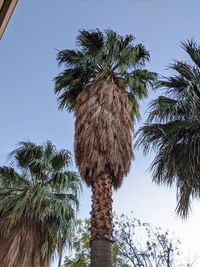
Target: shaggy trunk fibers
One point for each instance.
(22, 248)
(101, 222)
(103, 131)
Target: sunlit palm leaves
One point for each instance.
(38, 191)
(173, 130)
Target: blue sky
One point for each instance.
(28, 108)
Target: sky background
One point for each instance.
(28, 108)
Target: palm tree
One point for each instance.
(173, 130)
(38, 202)
(102, 83)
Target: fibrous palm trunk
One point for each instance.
(101, 222)
(22, 248)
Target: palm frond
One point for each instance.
(61, 159)
(9, 176)
(90, 41)
(193, 50)
(165, 109)
(69, 58)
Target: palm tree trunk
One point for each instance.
(101, 221)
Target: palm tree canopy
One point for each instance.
(103, 55)
(102, 83)
(39, 189)
(173, 130)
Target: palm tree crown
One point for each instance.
(102, 55)
(38, 195)
(173, 130)
(103, 82)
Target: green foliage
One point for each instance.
(38, 188)
(173, 130)
(81, 245)
(137, 244)
(103, 55)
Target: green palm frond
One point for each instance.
(193, 50)
(69, 84)
(137, 82)
(70, 57)
(8, 176)
(91, 41)
(185, 70)
(61, 159)
(172, 130)
(102, 55)
(165, 109)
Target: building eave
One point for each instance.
(6, 9)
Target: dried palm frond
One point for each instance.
(103, 131)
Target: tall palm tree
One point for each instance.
(102, 83)
(38, 202)
(173, 130)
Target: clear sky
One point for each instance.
(28, 108)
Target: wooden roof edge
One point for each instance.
(6, 13)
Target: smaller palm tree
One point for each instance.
(173, 130)
(38, 203)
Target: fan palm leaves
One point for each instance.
(38, 203)
(173, 130)
(102, 83)
(103, 55)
